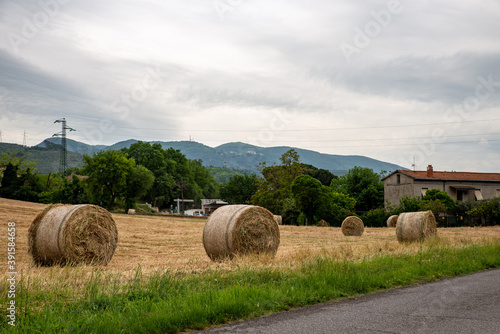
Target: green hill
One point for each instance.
(242, 157)
(73, 146)
(245, 157)
(46, 158)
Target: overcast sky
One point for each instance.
(392, 80)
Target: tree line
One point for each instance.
(302, 194)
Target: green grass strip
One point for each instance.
(167, 303)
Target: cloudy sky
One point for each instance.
(393, 80)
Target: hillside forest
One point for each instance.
(302, 194)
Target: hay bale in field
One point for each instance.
(353, 226)
(131, 212)
(415, 226)
(323, 223)
(392, 220)
(279, 219)
(240, 229)
(72, 234)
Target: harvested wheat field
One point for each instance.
(166, 242)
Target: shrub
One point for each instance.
(436, 194)
(434, 205)
(376, 217)
(407, 204)
(489, 210)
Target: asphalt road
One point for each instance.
(464, 304)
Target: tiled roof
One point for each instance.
(466, 176)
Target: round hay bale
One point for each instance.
(240, 229)
(415, 226)
(72, 234)
(323, 223)
(279, 219)
(131, 212)
(392, 220)
(353, 226)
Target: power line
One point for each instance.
(305, 130)
(409, 144)
(372, 139)
(63, 163)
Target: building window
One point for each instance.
(478, 194)
(460, 195)
(398, 177)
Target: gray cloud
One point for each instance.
(91, 62)
(444, 78)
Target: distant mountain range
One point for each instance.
(240, 156)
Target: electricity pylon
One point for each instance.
(63, 163)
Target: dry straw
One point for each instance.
(279, 219)
(323, 223)
(353, 226)
(415, 226)
(72, 234)
(392, 220)
(240, 229)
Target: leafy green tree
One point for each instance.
(29, 187)
(442, 196)
(154, 158)
(20, 184)
(362, 184)
(205, 185)
(108, 172)
(317, 201)
(139, 181)
(239, 189)
(53, 185)
(10, 181)
(376, 217)
(177, 164)
(162, 191)
(489, 210)
(434, 205)
(407, 204)
(223, 174)
(289, 212)
(150, 156)
(461, 208)
(334, 207)
(322, 175)
(306, 191)
(175, 175)
(275, 186)
(73, 192)
(19, 159)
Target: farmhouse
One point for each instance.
(461, 186)
(210, 205)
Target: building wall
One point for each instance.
(467, 194)
(488, 189)
(394, 190)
